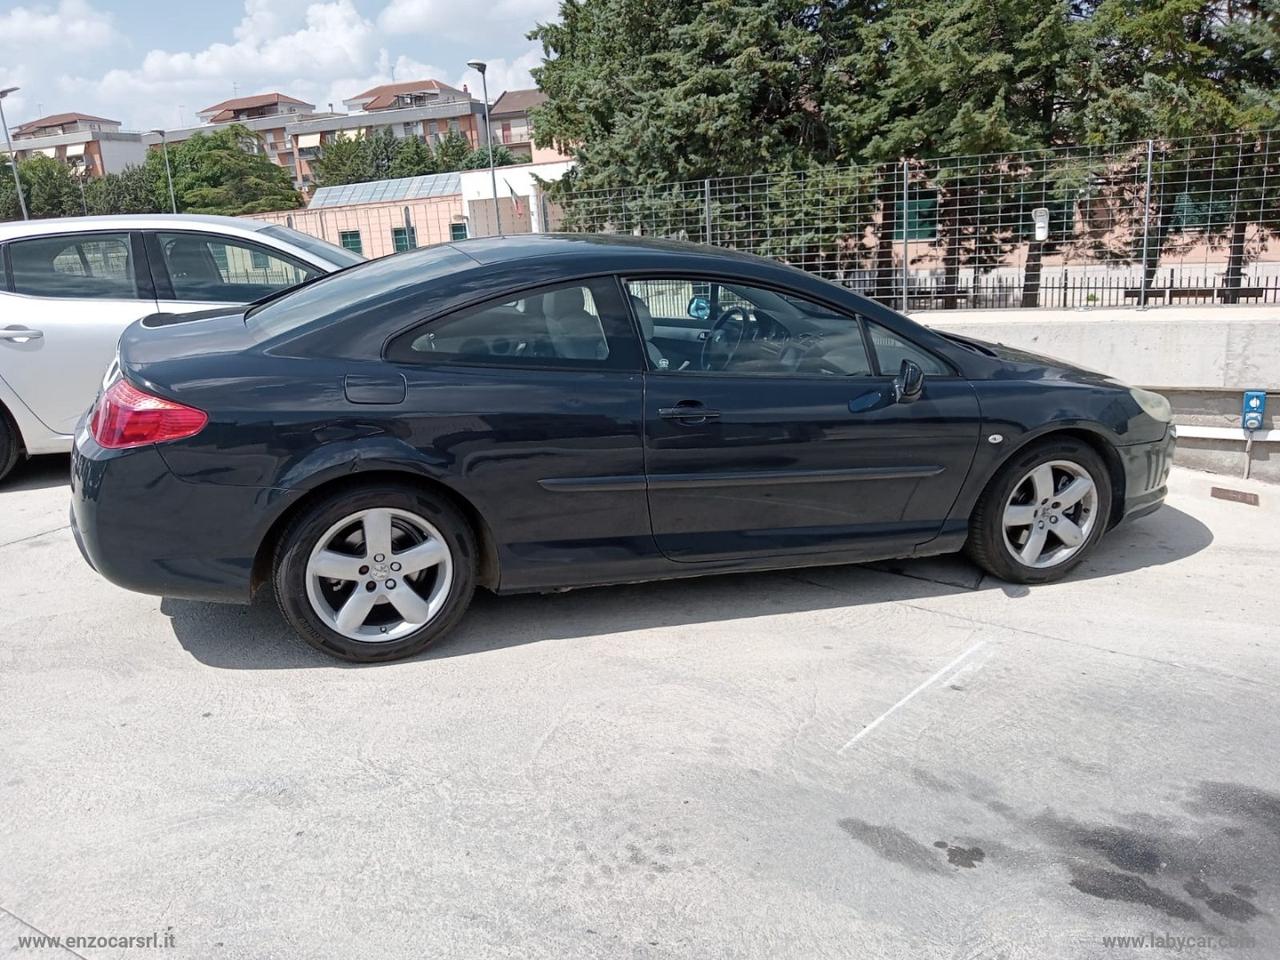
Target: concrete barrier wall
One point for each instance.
(1184, 348)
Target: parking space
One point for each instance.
(900, 759)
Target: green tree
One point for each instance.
(47, 187)
(343, 161)
(649, 91)
(479, 158)
(452, 152)
(225, 173)
(933, 79)
(1170, 69)
(413, 159)
(132, 190)
(383, 148)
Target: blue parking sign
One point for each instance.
(1254, 406)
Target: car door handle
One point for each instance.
(688, 411)
(21, 334)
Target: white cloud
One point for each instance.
(73, 25)
(323, 51)
(503, 74)
(334, 37)
(463, 21)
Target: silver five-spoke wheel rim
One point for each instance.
(1050, 514)
(379, 575)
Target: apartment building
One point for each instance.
(512, 128)
(266, 114)
(427, 109)
(91, 146)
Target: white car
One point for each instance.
(68, 288)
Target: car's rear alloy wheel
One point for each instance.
(379, 574)
(375, 574)
(1042, 513)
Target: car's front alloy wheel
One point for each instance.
(1042, 513)
(1050, 514)
(375, 574)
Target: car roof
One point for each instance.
(143, 221)
(615, 247)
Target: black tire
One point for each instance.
(986, 545)
(300, 537)
(10, 444)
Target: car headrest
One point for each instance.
(565, 301)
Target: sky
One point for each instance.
(151, 64)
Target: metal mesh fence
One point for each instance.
(1146, 223)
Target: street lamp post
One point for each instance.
(13, 159)
(164, 147)
(480, 66)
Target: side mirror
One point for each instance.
(908, 385)
(699, 308)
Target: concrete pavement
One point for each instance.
(904, 760)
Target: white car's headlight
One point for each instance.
(1153, 404)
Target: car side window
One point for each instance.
(891, 350)
(214, 269)
(712, 326)
(572, 325)
(96, 266)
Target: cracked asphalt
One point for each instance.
(897, 760)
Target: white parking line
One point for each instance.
(920, 689)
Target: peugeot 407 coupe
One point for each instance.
(548, 412)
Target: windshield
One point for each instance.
(339, 256)
(338, 292)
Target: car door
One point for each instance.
(195, 270)
(780, 433)
(67, 297)
(533, 405)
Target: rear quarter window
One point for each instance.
(95, 266)
(339, 293)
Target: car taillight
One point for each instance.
(127, 417)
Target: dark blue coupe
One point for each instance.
(544, 412)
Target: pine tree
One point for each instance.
(649, 91)
(1170, 69)
(382, 148)
(452, 152)
(413, 159)
(343, 161)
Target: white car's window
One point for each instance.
(96, 266)
(206, 268)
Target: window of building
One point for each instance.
(203, 268)
(457, 231)
(404, 238)
(454, 126)
(432, 127)
(350, 239)
(90, 266)
(922, 218)
(575, 325)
